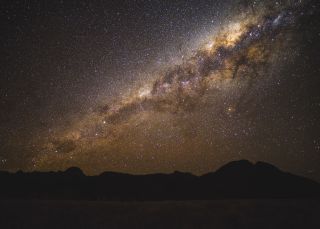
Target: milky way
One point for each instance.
(214, 103)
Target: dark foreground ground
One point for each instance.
(185, 214)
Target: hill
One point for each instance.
(237, 179)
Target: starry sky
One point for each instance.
(157, 86)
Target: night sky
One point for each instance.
(157, 86)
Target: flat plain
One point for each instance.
(230, 213)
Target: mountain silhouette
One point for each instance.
(237, 179)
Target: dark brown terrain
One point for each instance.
(244, 213)
(237, 179)
(238, 195)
